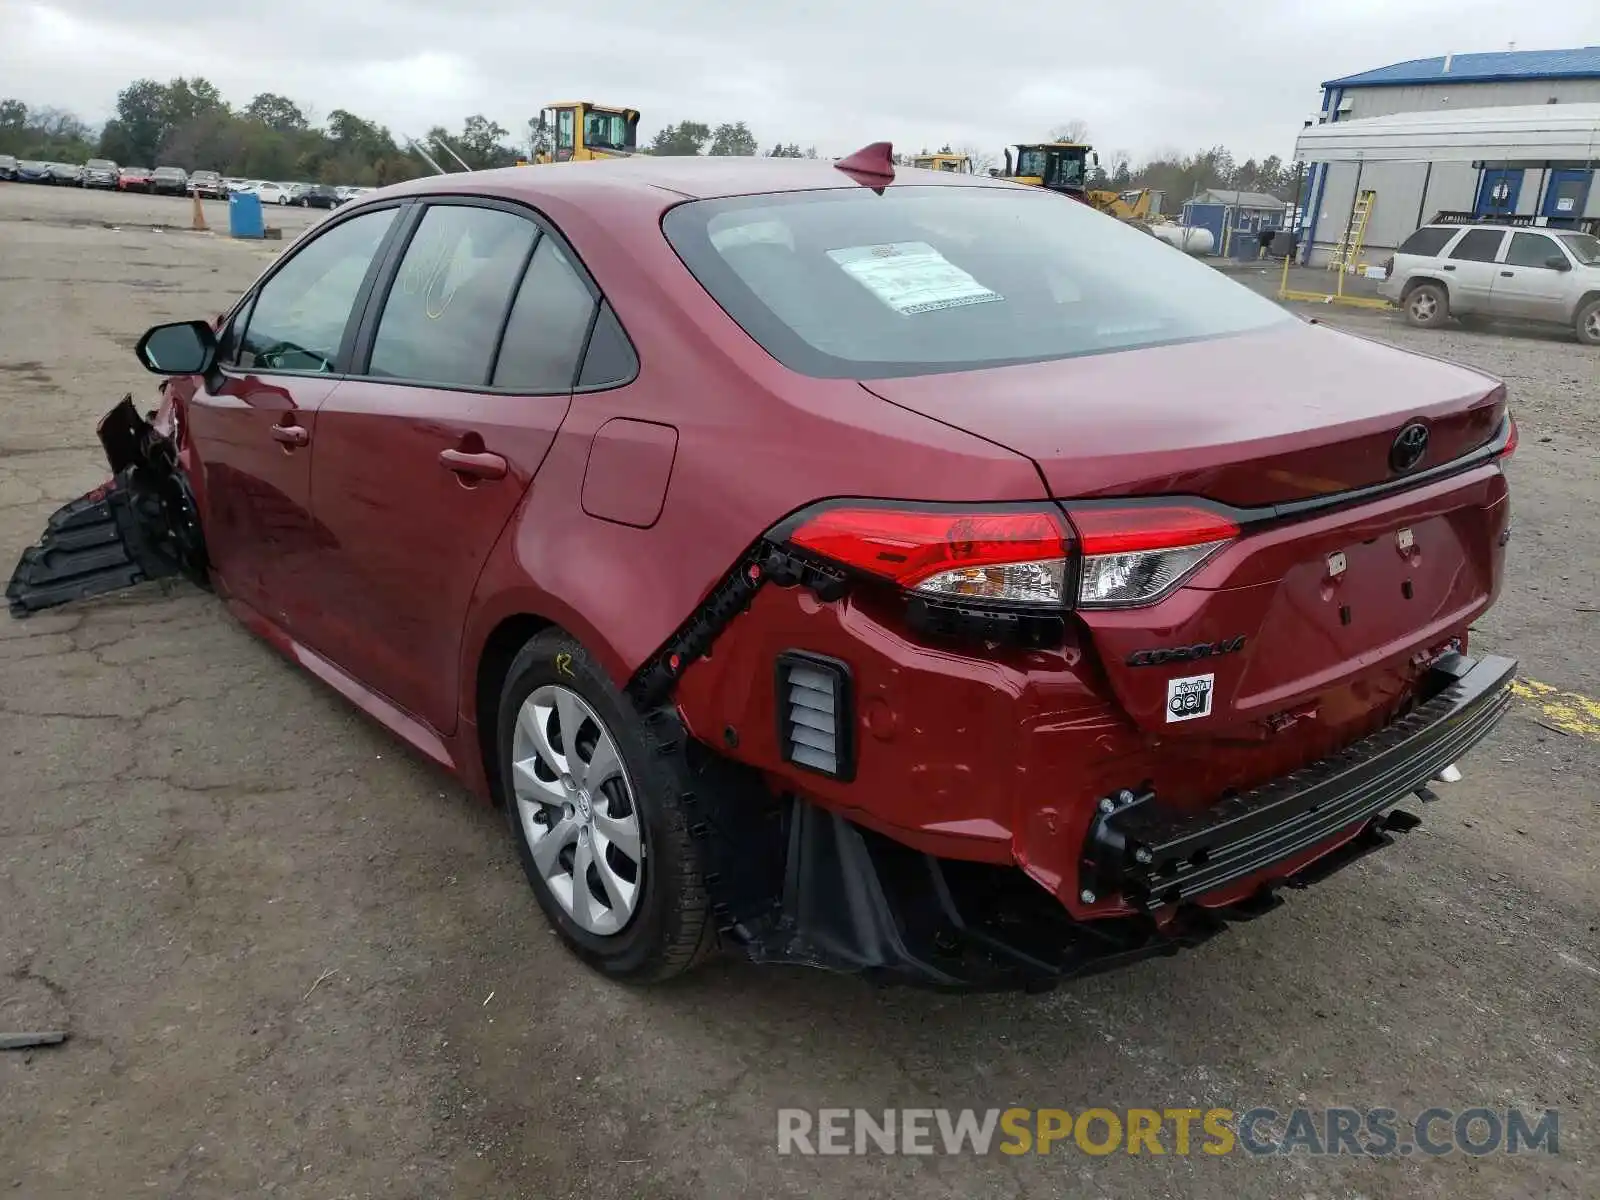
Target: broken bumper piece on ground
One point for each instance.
(137, 526)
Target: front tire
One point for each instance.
(596, 807)
(1588, 323)
(1427, 306)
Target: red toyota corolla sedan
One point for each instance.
(905, 573)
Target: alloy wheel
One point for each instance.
(577, 809)
(1591, 326)
(1424, 306)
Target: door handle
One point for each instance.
(1448, 268)
(1508, 274)
(290, 435)
(473, 466)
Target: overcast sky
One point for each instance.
(1146, 75)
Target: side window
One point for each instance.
(448, 300)
(544, 336)
(1479, 245)
(564, 125)
(299, 317)
(610, 358)
(1427, 241)
(1532, 250)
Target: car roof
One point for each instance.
(693, 178)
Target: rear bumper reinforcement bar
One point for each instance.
(1154, 856)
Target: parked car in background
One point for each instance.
(31, 170)
(169, 181)
(99, 173)
(66, 174)
(134, 179)
(207, 184)
(1493, 269)
(319, 195)
(8, 166)
(274, 193)
(931, 579)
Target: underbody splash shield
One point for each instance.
(140, 525)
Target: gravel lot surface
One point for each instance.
(296, 961)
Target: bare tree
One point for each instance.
(1075, 130)
(982, 160)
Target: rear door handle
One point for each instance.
(290, 435)
(473, 466)
(1448, 268)
(1508, 274)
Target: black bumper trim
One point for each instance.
(1155, 857)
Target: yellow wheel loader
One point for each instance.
(579, 131)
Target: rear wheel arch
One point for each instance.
(1417, 281)
(500, 650)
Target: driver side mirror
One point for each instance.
(182, 348)
(1558, 262)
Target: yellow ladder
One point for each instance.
(1347, 250)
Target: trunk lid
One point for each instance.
(1309, 619)
(1294, 411)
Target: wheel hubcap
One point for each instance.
(576, 807)
(1593, 325)
(1423, 306)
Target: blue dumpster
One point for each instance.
(244, 216)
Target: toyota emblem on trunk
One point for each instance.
(1410, 444)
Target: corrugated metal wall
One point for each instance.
(1451, 185)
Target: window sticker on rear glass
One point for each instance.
(911, 277)
(1189, 698)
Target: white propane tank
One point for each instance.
(1189, 239)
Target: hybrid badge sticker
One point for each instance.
(1189, 698)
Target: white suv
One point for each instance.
(1493, 269)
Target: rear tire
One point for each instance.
(1427, 305)
(1588, 323)
(568, 806)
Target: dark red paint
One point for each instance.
(383, 535)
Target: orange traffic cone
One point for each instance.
(198, 223)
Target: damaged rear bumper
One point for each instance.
(139, 525)
(856, 901)
(1151, 857)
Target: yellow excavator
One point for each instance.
(580, 131)
(960, 164)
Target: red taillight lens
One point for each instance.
(1014, 557)
(1126, 529)
(1512, 439)
(1136, 553)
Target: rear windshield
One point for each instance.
(850, 284)
(1428, 241)
(101, 164)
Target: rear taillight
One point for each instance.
(1118, 554)
(994, 555)
(1512, 438)
(1135, 554)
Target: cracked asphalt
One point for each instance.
(295, 960)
